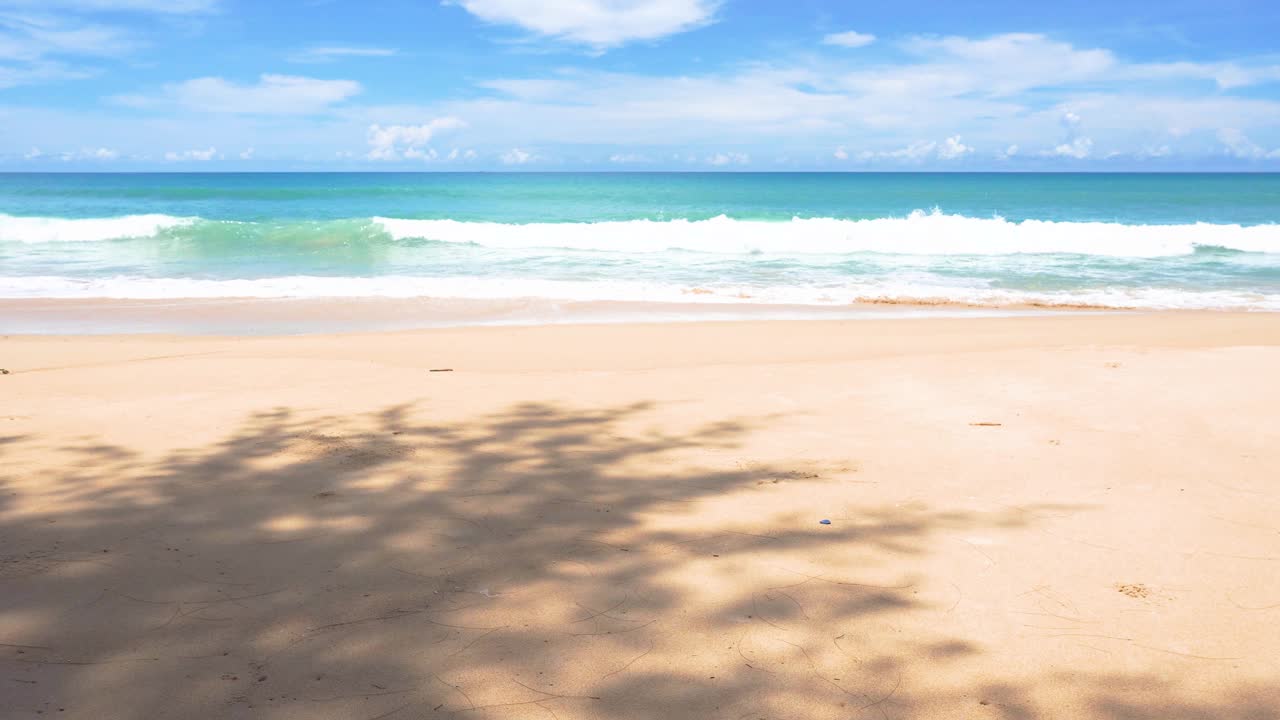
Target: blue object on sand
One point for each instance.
(824, 522)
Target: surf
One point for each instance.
(922, 233)
(34, 230)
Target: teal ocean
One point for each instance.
(796, 240)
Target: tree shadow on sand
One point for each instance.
(541, 562)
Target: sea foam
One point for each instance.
(854, 292)
(921, 233)
(46, 229)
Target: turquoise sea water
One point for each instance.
(1185, 240)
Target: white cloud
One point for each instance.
(334, 52)
(32, 154)
(730, 158)
(427, 154)
(515, 156)
(1075, 145)
(1239, 145)
(916, 151)
(1049, 98)
(1010, 151)
(628, 158)
(247, 154)
(191, 155)
(849, 39)
(841, 153)
(458, 154)
(600, 23)
(979, 87)
(271, 95)
(103, 154)
(952, 149)
(396, 141)
(1079, 148)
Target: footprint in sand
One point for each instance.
(1133, 590)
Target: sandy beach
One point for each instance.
(1071, 516)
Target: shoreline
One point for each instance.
(311, 316)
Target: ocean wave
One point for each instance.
(884, 291)
(34, 230)
(921, 233)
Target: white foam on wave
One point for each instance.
(920, 233)
(488, 288)
(34, 230)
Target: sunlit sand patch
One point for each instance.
(13, 622)
(297, 524)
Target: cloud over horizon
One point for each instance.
(407, 141)
(603, 83)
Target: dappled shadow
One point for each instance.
(543, 561)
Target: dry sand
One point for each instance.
(1067, 517)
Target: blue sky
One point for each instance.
(639, 85)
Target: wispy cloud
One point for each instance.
(1008, 100)
(330, 53)
(916, 152)
(999, 90)
(44, 41)
(41, 72)
(40, 48)
(29, 37)
(1238, 145)
(516, 156)
(166, 7)
(271, 95)
(192, 155)
(849, 39)
(728, 158)
(628, 158)
(1226, 75)
(101, 154)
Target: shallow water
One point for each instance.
(806, 240)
